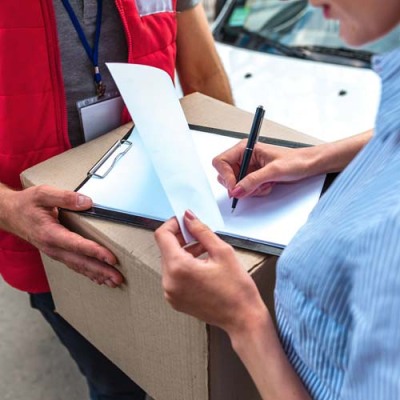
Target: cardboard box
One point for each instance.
(171, 355)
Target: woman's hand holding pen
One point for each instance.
(269, 164)
(32, 214)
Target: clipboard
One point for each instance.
(113, 159)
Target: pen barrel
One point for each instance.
(243, 170)
(251, 141)
(245, 163)
(255, 127)
(234, 203)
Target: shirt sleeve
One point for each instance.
(374, 358)
(182, 5)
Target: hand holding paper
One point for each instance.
(213, 288)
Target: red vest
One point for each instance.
(33, 121)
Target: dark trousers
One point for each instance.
(106, 381)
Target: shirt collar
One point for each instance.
(387, 66)
(384, 63)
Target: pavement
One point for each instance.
(33, 363)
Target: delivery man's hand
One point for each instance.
(215, 288)
(32, 214)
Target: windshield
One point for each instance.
(295, 23)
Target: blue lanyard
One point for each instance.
(92, 53)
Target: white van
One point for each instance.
(285, 56)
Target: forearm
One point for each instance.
(214, 84)
(218, 290)
(198, 64)
(260, 350)
(335, 156)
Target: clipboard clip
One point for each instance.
(106, 163)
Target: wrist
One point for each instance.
(323, 159)
(253, 324)
(335, 156)
(258, 346)
(6, 202)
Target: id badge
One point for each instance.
(99, 116)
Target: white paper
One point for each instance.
(134, 188)
(151, 99)
(272, 219)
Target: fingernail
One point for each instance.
(110, 283)
(83, 201)
(190, 215)
(109, 262)
(238, 191)
(266, 186)
(116, 283)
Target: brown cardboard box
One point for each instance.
(171, 355)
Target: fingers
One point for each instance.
(215, 246)
(254, 184)
(263, 190)
(260, 173)
(169, 238)
(82, 255)
(99, 272)
(195, 249)
(172, 245)
(171, 242)
(73, 242)
(47, 196)
(228, 164)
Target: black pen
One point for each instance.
(251, 141)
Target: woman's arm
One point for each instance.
(216, 289)
(272, 164)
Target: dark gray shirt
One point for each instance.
(76, 66)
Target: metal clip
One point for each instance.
(103, 167)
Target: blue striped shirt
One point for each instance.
(338, 284)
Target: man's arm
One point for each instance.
(198, 64)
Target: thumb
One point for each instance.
(203, 234)
(52, 197)
(81, 202)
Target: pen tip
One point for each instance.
(232, 210)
